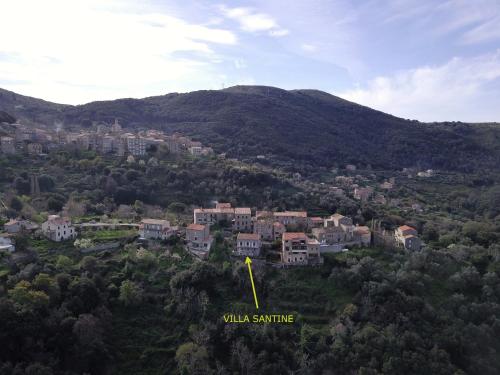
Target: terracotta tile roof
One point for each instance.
(403, 228)
(248, 236)
(196, 227)
(294, 236)
(362, 229)
(292, 213)
(243, 210)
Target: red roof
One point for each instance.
(294, 236)
(248, 236)
(405, 228)
(196, 227)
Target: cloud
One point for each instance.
(463, 88)
(253, 22)
(485, 32)
(309, 47)
(66, 50)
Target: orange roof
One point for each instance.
(243, 210)
(294, 236)
(248, 236)
(291, 213)
(403, 228)
(196, 227)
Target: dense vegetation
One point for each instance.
(301, 129)
(147, 311)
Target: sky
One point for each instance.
(427, 60)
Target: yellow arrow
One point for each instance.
(248, 261)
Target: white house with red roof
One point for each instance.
(407, 237)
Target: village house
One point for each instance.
(242, 221)
(155, 229)
(298, 249)
(35, 148)
(248, 244)
(317, 222)
(6, 244)
(7, 145)
(407, 237)
(278, 230)
(264, 229)
(338, 231)
(293, 218)
(58, 229)
(18, 225)
(195, 150)
(240, 217)
(332, 235)
(136, 146)
(363, 193)
(268, 229)
(387, 185)
(362, 235)
(198, 240)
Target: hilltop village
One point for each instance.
(104, 139)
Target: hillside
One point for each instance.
(297, 128)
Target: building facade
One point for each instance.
(154, 229)
(407, 237)
(298, 249)
(248, 244)
(58, 229)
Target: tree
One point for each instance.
(130, 293)
(73, 208)
(54, 204)
(16, 204)
(28, 299)
(46, 183)
(64, 263)
(192, 359)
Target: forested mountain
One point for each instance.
(297, 128)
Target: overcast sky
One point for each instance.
(418, 59)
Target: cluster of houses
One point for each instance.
(106, 140)
(303, 239)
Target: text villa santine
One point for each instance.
(259, 318)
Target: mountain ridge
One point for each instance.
(299, 129)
